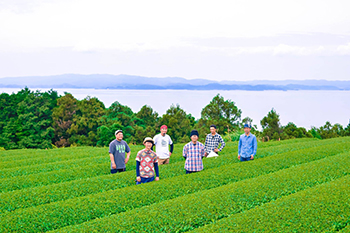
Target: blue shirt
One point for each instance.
(247, 145)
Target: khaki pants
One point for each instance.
(163, 161)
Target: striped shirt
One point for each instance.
(212, 142)
(193, 154)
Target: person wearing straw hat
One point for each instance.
(146, 163)
(247, 145)
(117, 149)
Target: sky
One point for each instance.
(216, 40)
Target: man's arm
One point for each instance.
(255, 147)
(203, 152)
(127, 157)
(128, 152)
(171, 149)
(222, 143)
(184, 152)
(138, 178)
(111, 156)
(206, 145)
(157, 170)
(239, 147)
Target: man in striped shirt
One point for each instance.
(193, 152)
(213, 140)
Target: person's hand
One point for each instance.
(138, 179)
(216, 150)
(205, 154)
(252, 157)
(114, 166)
(126, 160)
(170, 154)
(157, 178)
(239, 157)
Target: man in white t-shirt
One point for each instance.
(162, 142)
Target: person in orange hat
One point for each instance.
(162, 142)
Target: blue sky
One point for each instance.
(217, 40)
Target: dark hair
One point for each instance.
(213, 126)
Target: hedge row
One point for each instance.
(322, 208)
(49, 156)
(72, 164)
(195, 210)
(29, 157)
(66, 190)
(78, 210)
(46, 194)
(48, 167)
(69, 171)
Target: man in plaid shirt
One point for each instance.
(193, 153)
(213, 140)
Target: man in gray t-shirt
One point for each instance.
(117, 149)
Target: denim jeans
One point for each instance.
(245, 159)
(145, 180)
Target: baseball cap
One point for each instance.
(118, 131)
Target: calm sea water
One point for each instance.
(304, 108)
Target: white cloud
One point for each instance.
(344, 49)
(155, 24)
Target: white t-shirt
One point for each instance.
(162, 145)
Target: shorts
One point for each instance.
(163, 161)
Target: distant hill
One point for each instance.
(107, 81)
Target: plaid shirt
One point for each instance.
(212, 142)
(193, 154)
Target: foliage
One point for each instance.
(46, 120)
(27, 119)
(223, 113)
(330, 131)
(292, 131)
(179, 123)
(271, 126)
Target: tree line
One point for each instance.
(34, 119)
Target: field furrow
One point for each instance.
(83, 209)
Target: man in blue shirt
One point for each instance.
(247, 145)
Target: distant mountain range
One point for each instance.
(106, 81)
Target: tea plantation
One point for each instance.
(300, 185)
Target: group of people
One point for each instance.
(148, 160)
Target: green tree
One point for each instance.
(86, 121)
(330, 131)
(179, 123)
(346, 131)
(29, 125)
(292, 131)
(148, 117)
(120, 116)
(271, 126)
(62, 115)
(223, 113)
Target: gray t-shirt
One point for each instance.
(118, 150)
